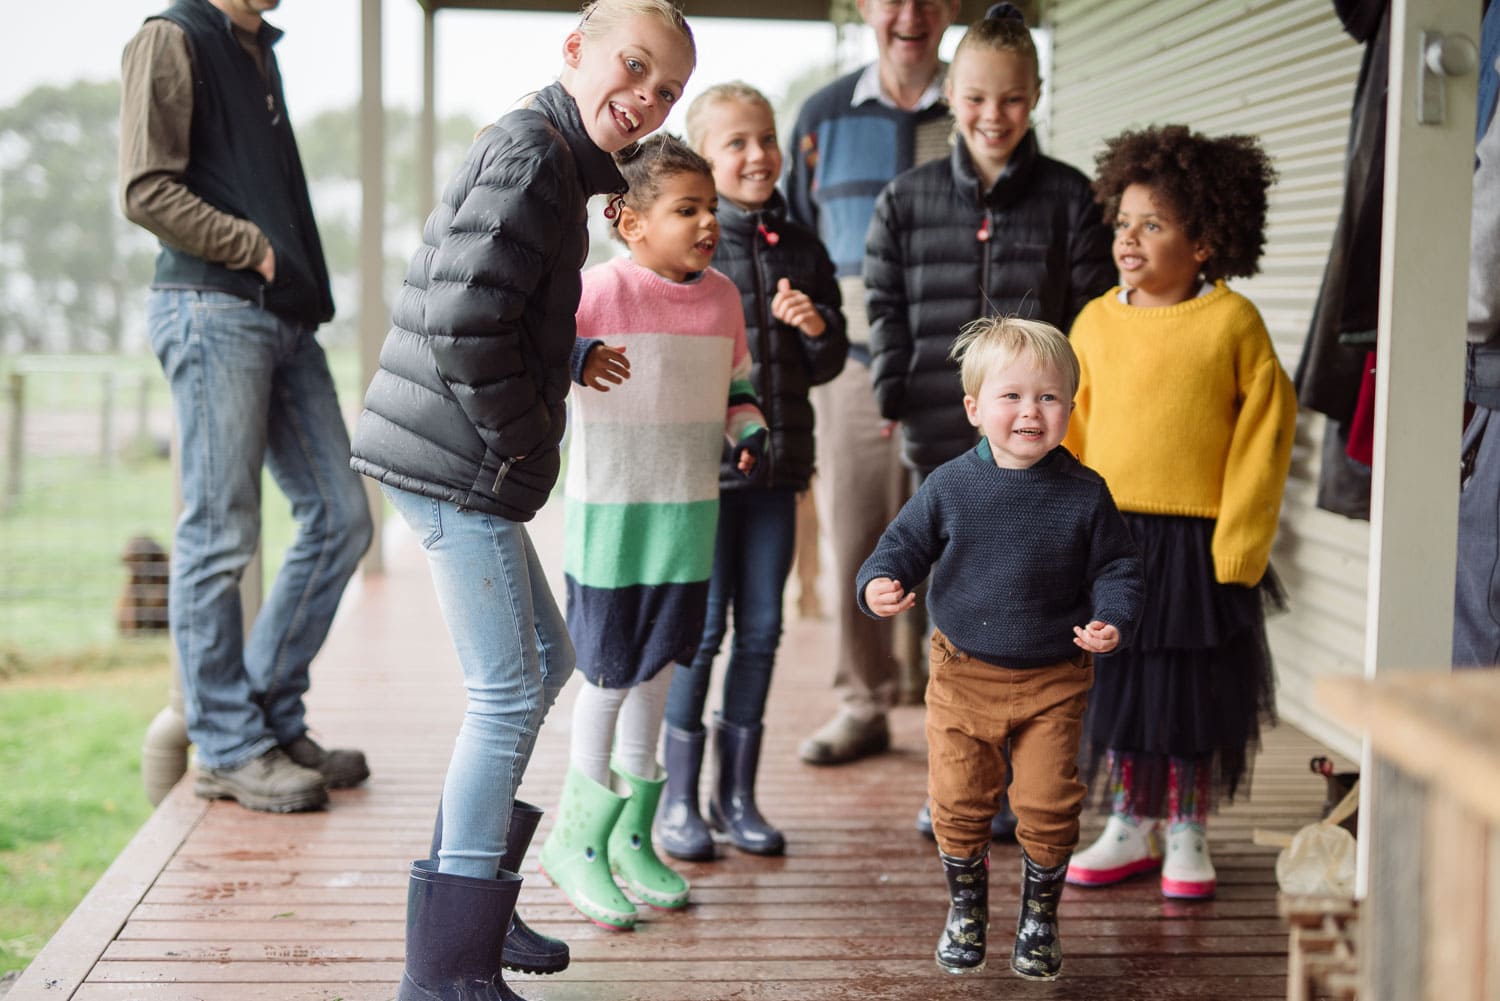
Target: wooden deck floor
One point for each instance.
(211, 902)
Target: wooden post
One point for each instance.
(15, 444)
(1429, 163)
(372, 312)
(427, 118)
(106, 418)
(143, 414)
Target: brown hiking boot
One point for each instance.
(272, 782)
(341, 768)
(846, 738)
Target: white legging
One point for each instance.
(629, 719)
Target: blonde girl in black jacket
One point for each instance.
(997, 229)
(795, 330)
(461, 427)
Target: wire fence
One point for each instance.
(85, 504)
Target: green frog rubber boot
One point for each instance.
(631, 855)
(575, 855)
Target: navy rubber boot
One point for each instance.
(732, 808)
(680, 826)
(526, 949)
(455, 927)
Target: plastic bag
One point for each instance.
(1319, 861)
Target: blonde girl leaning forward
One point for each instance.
(462, 425)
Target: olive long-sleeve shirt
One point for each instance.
(156, 119)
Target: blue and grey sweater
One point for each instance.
(841, 157)
(1018, 557)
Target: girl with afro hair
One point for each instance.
(1185, 410)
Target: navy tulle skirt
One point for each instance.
(1195, 685)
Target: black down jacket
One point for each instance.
(756, 250)
(940, 253)
(467, 405)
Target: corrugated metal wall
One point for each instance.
(1284, 70)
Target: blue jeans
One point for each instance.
(250, 390)
(1476, 605)
(757, 537)
(513, 647)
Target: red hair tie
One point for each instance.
(772, 239)
(612, 207)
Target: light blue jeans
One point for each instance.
(515, 653)
(250, 390)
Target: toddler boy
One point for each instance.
(1033, 572)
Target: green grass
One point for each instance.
(72, 795)
(75, 697)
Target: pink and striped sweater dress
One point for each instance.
(642, 490)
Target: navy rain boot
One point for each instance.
(732, 808)
(455, 927)
(526, 950)
(680, 827)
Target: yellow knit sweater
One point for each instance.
(1185, 410)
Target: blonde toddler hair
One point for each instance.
(735, 90)
(992, 341)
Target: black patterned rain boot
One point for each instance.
(1038, 951)
(961, 949)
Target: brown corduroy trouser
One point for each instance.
(973, 708)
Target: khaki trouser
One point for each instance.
(973, 708)
(859, 489)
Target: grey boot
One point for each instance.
(680, 827)
(732, 808)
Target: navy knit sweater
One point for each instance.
(1018, 557)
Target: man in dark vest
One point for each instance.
(208, 164)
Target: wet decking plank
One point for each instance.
(213, 902)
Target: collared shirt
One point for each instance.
(867, 88)
(156, 119)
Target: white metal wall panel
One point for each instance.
(1284, 70)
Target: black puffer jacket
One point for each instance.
(786, 362)
(941, 253)
(474, 370)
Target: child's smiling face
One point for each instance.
(626, 79)
(676, 234)
(1158, 261)
(739, 140)
(1022, 410)
(992, 92)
